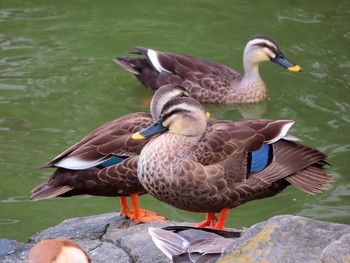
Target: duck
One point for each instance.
(209, 82)
(211, 166)
(192, 244)
(104, 163)
(60, 250)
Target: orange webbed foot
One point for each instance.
(138, 214)
(209, 221)
(144, 216)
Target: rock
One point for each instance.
(337, 251)
(106, 238)
(111, 238)
(8, 247)
(291, 239)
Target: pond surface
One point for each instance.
(58, 83)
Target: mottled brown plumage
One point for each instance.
(208, 82)
(84, 169)
(112, 139)
(85, 175)
(202, 165)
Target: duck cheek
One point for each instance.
(176, 127)
(265, 55)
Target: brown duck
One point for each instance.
(104, 163)
(209, 82)
(207, 165)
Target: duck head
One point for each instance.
(263, 48)
(182, 115)
(163, 95)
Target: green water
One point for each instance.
(58, 82)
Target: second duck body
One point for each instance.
(209, 82)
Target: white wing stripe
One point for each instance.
(282, 133)
(74, 163)
(152, 55)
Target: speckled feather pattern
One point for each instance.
(208, 82)
(113, 138)
(209, 172)
(81, 173)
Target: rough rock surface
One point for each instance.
(291, 239)
(111, 238)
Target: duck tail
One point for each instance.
(305, 166)
(46, 191)
(133, 65)
(141, 67)
(170, 243)
(312, 179)
(53, 187)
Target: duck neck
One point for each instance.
(251, 88)
(251, 67)
(251, 71)
(175, 144)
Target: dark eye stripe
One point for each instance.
(175, 111)
(263, 44)
(183, 91)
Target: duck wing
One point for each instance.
(111, 139)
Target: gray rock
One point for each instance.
(111, 238)
(9, 247)
(290, 239)
(337, 251)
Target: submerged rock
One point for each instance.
(111, 238)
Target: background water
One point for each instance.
(58, 82)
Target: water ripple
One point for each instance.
(310, 100)
(16, 199)
(4, 221)
(302, 16)
(12, 87)
(335, 149)
(38, 13)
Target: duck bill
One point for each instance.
(154, 129)
(281, 60)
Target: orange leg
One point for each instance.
(142, 215)
(124, 207)
(137, 214)
(222, 218)
(208, 222)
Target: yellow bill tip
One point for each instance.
(207, 114)
(137, 136)
(295, 68)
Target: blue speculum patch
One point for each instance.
(261, 159)
(112, 161)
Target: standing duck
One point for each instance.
(207, 81)
(104, 163)
(206, 165)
